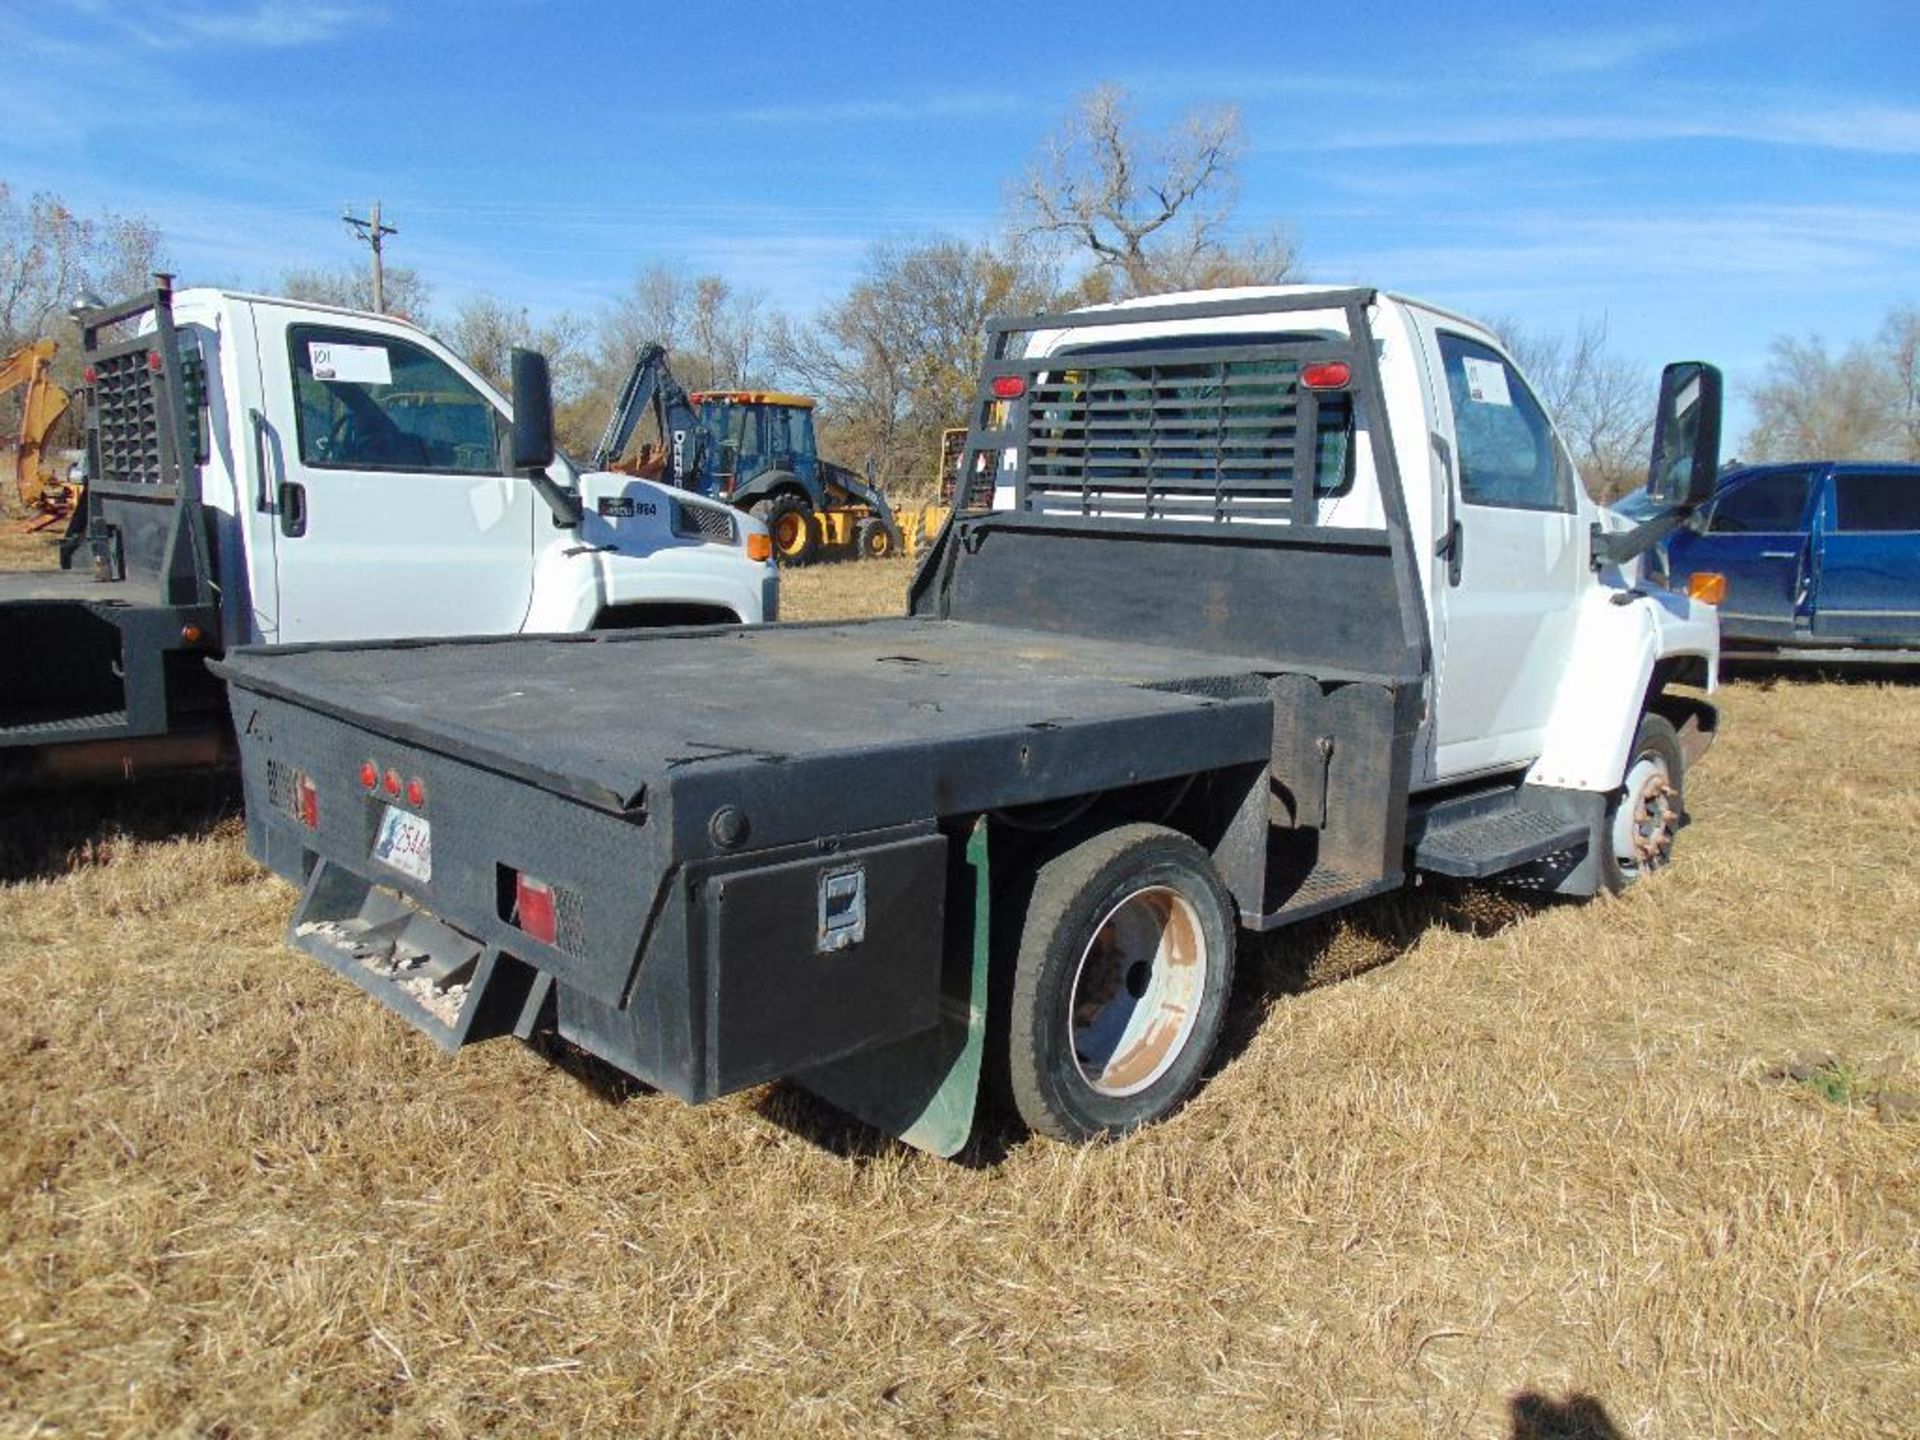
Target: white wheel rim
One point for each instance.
(1649, 813)
(1136, 991)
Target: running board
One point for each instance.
(1480, 836)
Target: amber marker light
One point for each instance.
(759, 547)
(1709, 587)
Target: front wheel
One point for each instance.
(789, 519)
(1649, 810)
(873, 539)
(1120, 984)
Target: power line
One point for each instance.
(373, 232)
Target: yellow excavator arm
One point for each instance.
(46, 497)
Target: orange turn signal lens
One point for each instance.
(1709, 587)
(759, 547)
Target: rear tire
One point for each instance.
(1644, 817)
(1120, 983)
(789, 519)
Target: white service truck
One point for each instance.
(269, 471)
(1252, 604)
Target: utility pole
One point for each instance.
(373, 232)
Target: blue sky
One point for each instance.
(1703, 182)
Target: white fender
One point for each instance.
(1615, 647)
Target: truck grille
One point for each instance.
(1184, 439)
(126, 400)
(708, 522)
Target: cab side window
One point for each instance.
(374, 402)
(1765, 505)
(1509, 455)
(1877, 503)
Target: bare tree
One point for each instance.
(1812, 406)
(1900, 345)
(1147, 211)
(49, 256)
(1601, 404)
(896, 360)
(486, 330)
(712, 331)
(408, 295)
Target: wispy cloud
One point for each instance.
(259, 25)
(954, 105)
(1594, 52)
(1874, 129)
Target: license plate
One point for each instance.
(405, 842)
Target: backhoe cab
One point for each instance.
(754, 449)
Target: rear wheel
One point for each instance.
(789, 519)
(1120, 983)
(874, 539)
(1644, 818)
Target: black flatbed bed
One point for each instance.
(76, 585)
(612, 719)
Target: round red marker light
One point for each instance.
(416, 794)
(369, 775)
(90, 375)
(1008, 387)
(153, 361)
(392, 782)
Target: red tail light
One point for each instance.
(533, 908)
(416, 794)
(391, 784)
(369, 776)
(1328, 375)
(1008, 387)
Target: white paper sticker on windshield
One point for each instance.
(355, 364)
(1486, 381)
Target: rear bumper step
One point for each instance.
(441, 980)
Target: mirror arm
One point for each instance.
(1616, 547)
(565, 504)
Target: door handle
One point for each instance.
(262, 500)
(1449, 549)
(293, 508)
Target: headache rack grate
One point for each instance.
(126, 397)
(1183, 438)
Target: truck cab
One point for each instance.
(269, 471)
(1533, 644)
(355, 484)
(1820, 560)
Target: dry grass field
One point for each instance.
(1644, 1167)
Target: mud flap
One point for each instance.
(924, 1089)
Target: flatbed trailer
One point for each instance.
(1097, 746)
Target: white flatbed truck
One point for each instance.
(1253, 604)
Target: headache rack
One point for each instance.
(146, 441)
(1182, 427)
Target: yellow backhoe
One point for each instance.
(46, 497)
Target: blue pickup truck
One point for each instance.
(1821, 559)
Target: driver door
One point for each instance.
(1508, 574)
(380, 467)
